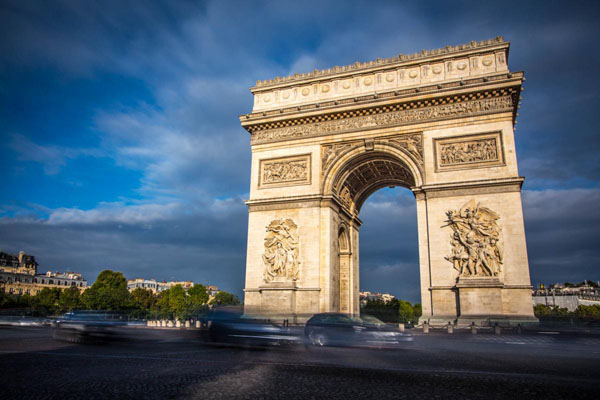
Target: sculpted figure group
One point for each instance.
(476, 249)
(284, 171)
(471, 151)
(281, 251)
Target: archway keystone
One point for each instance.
(439, 123)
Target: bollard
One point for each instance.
(425, 327)
(450, 327)
(169, 324)
(187, 324)
(473, 328)
(497, 329)
(178, 324)
(198, 324)
(401, 327)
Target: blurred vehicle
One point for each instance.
(223, 325)
(88, 326)
(337, 329)
(23, 321)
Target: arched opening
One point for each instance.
(389, 257)
(356, 179)
(343, 263)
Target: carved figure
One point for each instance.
(281, 251)
(346, 196)
(412, 143)
(476, 250)
(283, 171)
(331, 152)
(468, 151)
(383, 119)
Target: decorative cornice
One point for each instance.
(392, 61)
(485, 102)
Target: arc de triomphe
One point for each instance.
(439, 123)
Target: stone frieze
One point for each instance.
(453, 110)
(285, 171)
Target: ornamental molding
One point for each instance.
(358, 66)
(469, 151)
(391, 115)
(285, 171)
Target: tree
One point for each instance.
(198, 294)
(142, 301)
(70, 299)
(46, 301)
(405, 311)
(109, 292)
(223, 298)
(418, 311)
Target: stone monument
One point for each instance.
(439, 123)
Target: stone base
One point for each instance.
(279, 301)
(501, 320)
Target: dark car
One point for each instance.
(231, 326)
(88, 326)
(337, 329)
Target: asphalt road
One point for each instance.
(160, 364)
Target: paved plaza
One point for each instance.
(160, 364)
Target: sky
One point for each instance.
(122, 149)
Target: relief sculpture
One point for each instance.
(469, 152)
(390, 118)
(285, 171)
(412, 143)
(331, 152)
(476, 249)
(281, 251)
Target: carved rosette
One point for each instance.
(475, 241)
(281, 251)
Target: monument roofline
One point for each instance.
(392, 62)
(434, 67)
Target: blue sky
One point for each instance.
(121, 146)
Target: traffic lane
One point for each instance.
(89, 372)
(426, 353)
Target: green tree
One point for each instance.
(177, 302)
(70, 299)
(224, 298)
(198, 294)
(46, 301)
(109, 292)
(405, 311)
(418, 312)
(591, 313)
(143, 301)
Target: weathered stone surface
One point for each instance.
(440, 125)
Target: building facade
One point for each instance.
(18, 276)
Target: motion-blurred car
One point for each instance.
(337, 329)
(230, 326)
(88, 326)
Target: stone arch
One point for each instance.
(359, 172)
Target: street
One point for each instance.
(162, 363)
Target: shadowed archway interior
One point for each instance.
(368, 173)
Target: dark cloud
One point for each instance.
(157, 88)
